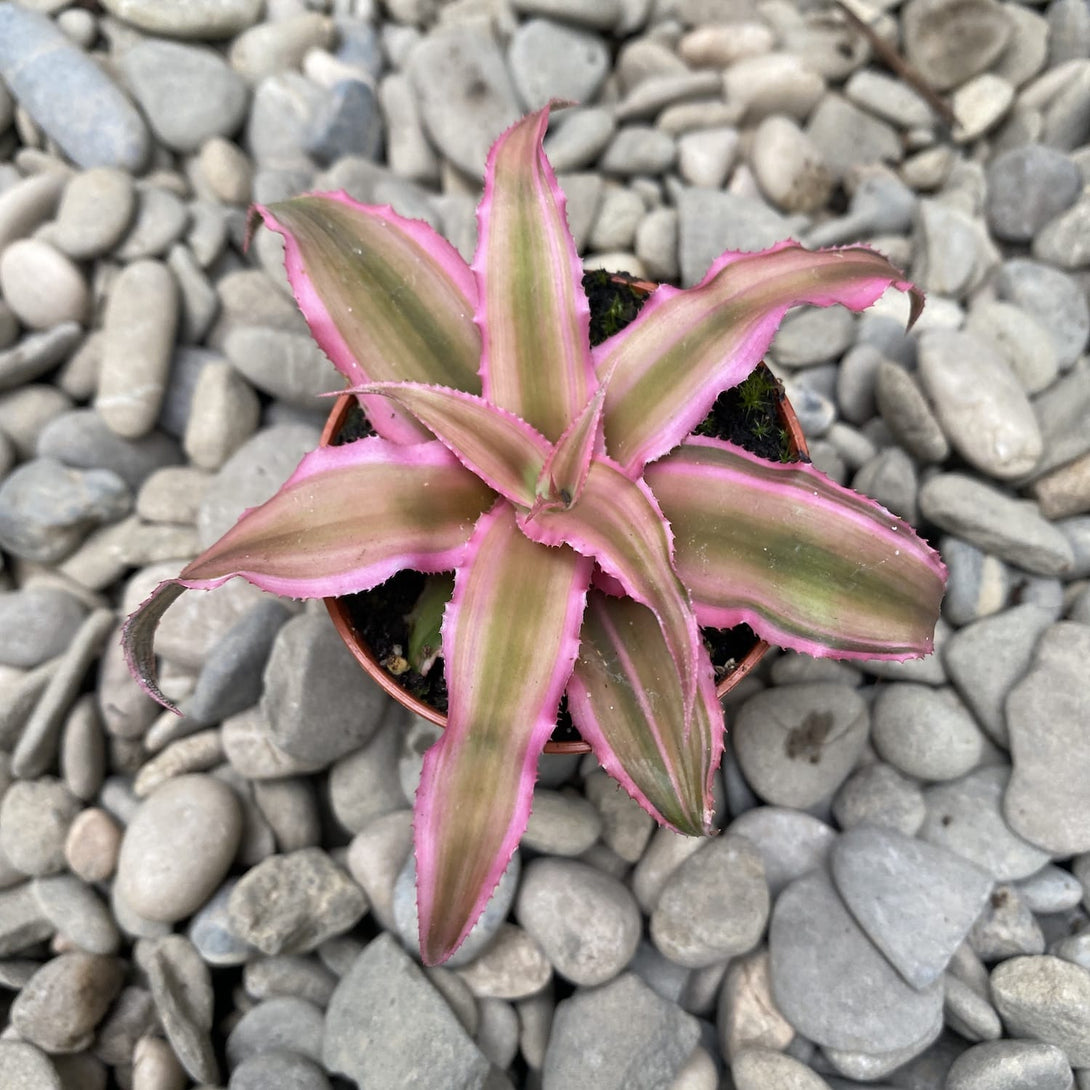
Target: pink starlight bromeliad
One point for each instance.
(590, 535)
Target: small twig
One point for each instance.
(896, 63)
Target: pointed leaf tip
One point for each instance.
(138, 639)
(533, 315)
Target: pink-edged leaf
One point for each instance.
(625, 697)
(510, 636)
(808, 564)
(386, 298)
(501, 449)
(685, 347)
(565, 472)
(533, 315)
(347, 519)
(618, 523)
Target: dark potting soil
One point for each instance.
(747, 414)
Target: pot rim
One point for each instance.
(342, 620)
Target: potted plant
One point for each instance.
(590, 533)
(394, 630)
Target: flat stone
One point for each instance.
(628, 1036)
(188, 18)
(1054, 298)
(36, 353)
(160, 872)
(997, 523)
(1021, 340)
(950, 42)
(811, 336)
(890, 478)
(925, 732)
(888, 98)
(796, 744)
(46, 73)
(771, 83)
(348, 124)
(377, 856)
(187, 93)
(278, 1070)
(513, 966)
(465, 94)
(279, 45)
(986, 658)
(23, 924)
(977, 584)
(77, 913)
(1044, 998)
(95, 211)
(1027, 187)
(789, 842)
(1047, 801)
(714, 906)
(209, 931)
(849, 137)
(1006, 927)
(303, 977)
(870, 1008)
(1062, 241)
(626, 826)
(65, 999)
(705, 157)
(42, 286)
(789, 166)
(36, 624)
(601, 14)
(916, 902)
(979, 105)
(561, 823)
(965, 817)
(711, 222)
(1010, 1065)
(290, 904)
(318, 704)
(549, 60)
(92, 845)
(980, 404)
(283, 1023)
(594, 935)
(181, 987)
(747, 1014)
(907, 413)
(1064, 491)
(230, 679)
(223, 413)
(369, 1039)
(81, 438)
(758, 1068)
(140, 322)
(968, 1013)
(160, 221)
(35, 816)
(638, 149)
(25, 1067)
(287, 365)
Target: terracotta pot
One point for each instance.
(342, 617)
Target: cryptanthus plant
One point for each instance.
(590, 534)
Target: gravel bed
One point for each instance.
(899, 897)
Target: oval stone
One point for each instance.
(178, 847)
(979, 402)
